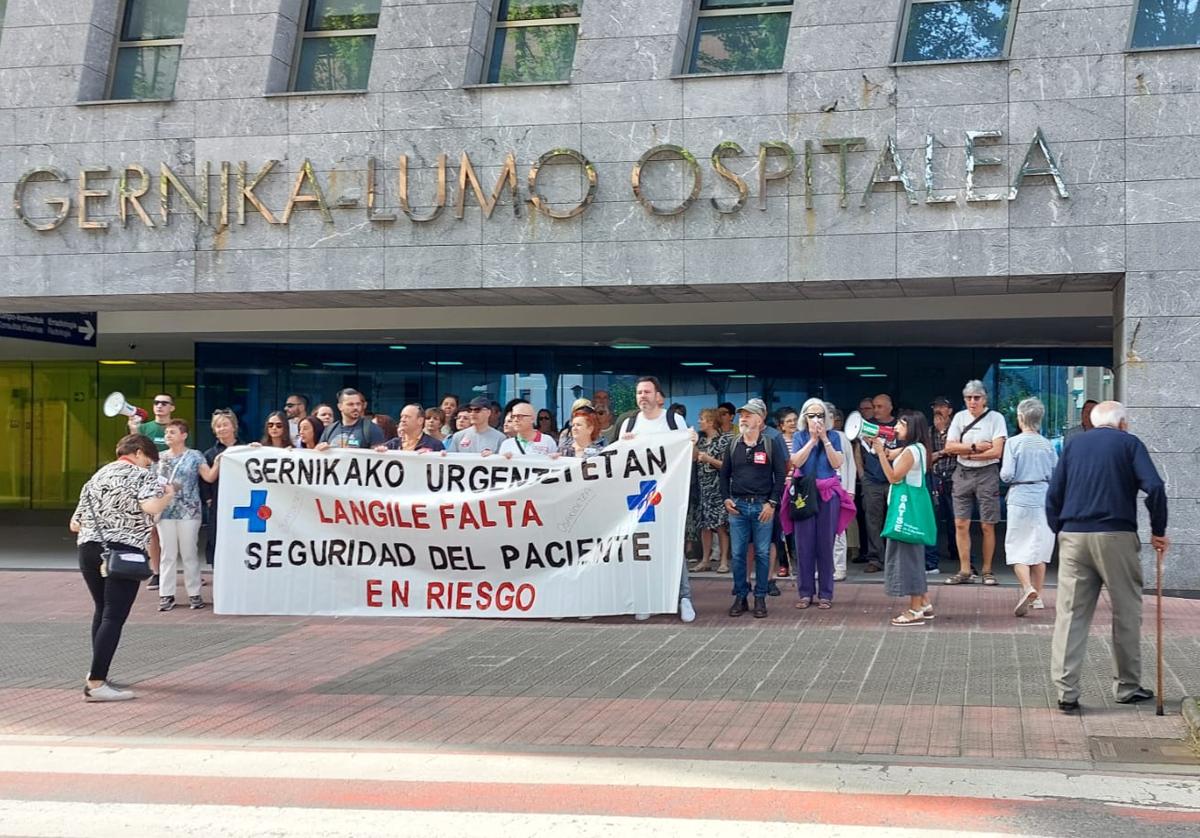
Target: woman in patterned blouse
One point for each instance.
(116, 506)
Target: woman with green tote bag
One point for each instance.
(910, 523)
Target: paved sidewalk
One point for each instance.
(973, 685)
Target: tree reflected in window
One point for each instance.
(337, 45)
(950, 30)
(739, 36)
(1166, 23)
(533, 41)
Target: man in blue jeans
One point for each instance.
(752, 476)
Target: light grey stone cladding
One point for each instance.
(1123, 127)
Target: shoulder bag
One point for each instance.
(119, 561)
(910, 515)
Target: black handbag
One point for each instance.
(803, 500)
(120, 561)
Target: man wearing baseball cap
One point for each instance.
(752, 476)
(480, 437)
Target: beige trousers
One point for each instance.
(1087, 561)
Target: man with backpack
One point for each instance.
(651, 418)
(352, 430)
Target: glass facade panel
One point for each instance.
(333, 15)
(532, 53)
(342, 63)
(732, 43)
(948, 30)
(152, 20)
(145, 72)
(16, 418)
(1166, 23)
(536, 9)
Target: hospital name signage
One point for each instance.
(776, 161)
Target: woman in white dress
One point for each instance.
(1029, 460)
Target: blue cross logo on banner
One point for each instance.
(255, 513)
(645, 500)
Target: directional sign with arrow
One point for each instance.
(76, 328)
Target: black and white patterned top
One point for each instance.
(114, 493)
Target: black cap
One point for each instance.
(941, 400)
(481, 402)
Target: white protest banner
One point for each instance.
(349, 532)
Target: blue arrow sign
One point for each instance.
(76, 328)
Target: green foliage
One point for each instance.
(1167, 23)
(740, 43)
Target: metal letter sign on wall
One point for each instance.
(97, 187)
(75, 328)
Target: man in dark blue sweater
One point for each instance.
(1092, 506)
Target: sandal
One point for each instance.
(989, 579)
(928, 611)
(961, 579)
(824, 604)
(909, 618)
(873, 567)
(723, 569)
(803, 603)
(702, 567)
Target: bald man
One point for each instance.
(875, 487)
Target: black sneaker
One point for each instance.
(166, 603)
(739, 607)
(773, 589)
(152, 585)
(196, 603)
(760, 606)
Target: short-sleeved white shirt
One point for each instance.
(990, 427)
(542, 444)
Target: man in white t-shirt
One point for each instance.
(528, 439)
(652, 419)
(976, 438)
(480, 437)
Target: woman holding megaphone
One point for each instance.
(816, 454)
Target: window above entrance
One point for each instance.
(955, 30)
(1160, 24)
(532, 41)
(735, 36)
(335, 46)
(146, 58)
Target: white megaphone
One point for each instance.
(115, 405)
(857, 427)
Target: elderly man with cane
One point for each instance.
(1092, 506)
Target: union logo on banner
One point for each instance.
(254, 513)
(644, 501)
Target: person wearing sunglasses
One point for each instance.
(275, 431)
(296, 407)
(164, 406)
(976, 438)
(526, 438)
(479, 437)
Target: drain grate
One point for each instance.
(1141, 751)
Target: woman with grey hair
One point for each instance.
(976, 438)
(1029, 461)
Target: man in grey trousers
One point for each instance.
(1092, 506)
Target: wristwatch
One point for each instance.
(773, 502)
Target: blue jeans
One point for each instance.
(743, 527)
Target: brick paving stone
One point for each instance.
(974, 683)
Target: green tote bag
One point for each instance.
(910, 515)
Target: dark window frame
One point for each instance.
(304, 35)
(1129, 45)
(737, 11)
(496, 24)
(119, 45)
(902, 36)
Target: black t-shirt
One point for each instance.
(426, 441)
(362, 434)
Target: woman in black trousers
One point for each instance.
(117, 506)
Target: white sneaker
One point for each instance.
(104, 692)
(687, 613)
(1025, 602)
(641, 617)
(1038, 604)
(934, 572)
(840, 576)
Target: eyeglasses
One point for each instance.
(521, 415)
(291, 404)
(222, 411)
(973, 398)
(476, 409)
(163, 402)
(814, 415)
(274, 424)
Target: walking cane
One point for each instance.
(1158, 566)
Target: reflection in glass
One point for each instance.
(333, 15)
(536, 9)
(732, 43)
(145, 72)
(956, 30)
(532, 53)
(150, 20)
(1166, 23)
(335, 63)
